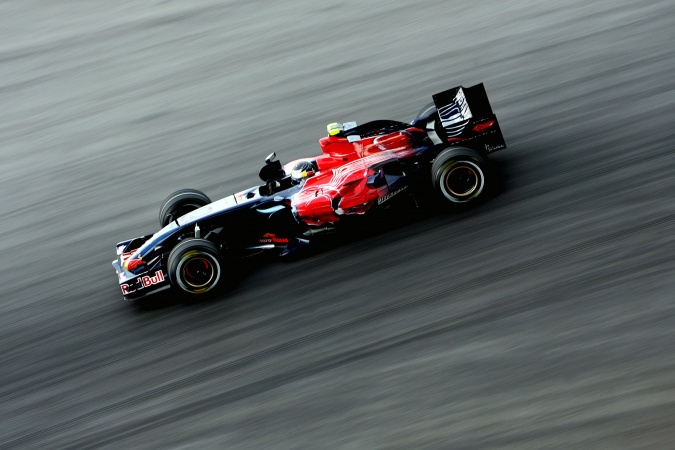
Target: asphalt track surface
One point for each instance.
(544, 318)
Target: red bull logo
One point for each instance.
(142, 282)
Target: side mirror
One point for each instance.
(272, 170)
(377, 180)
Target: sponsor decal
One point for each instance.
(455, 114)
(270, 238)
(491, 148)
(142, 282)
(390, 195)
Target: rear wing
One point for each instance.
(464, 115)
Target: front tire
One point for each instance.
(460, 176)
(180, 203)
(195, 266)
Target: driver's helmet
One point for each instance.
(302, 170)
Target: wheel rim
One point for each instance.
(197, 272)
(462, 181)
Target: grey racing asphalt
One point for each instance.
(542, 319)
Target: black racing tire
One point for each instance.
(461, 176)
(195, 266)
(180, 203)
(427, 110)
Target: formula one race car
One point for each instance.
(362, 170)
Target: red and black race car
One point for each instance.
(362, 170)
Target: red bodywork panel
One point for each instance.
(340, 187)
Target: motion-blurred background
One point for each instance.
(543, 318)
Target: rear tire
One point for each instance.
(180, 203)
(427, 110)
(195, 266)
(460, 175)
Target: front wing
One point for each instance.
(135, 285)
